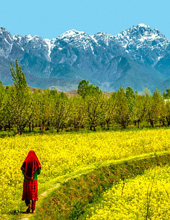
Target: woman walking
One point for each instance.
(30, 168)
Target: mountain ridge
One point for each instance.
(137, 57)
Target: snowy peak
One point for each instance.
(143, 43)
(103, 37)
(103, 34)
(33, 38)
(78, 39)
(17, 38)
(140, 31)
(143, 25)
(5, 35)
(74, 36)
(71, 33)
(3, 30)
(6, 42)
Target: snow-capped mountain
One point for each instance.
(137, 57)
(144, 44)
(6, 42)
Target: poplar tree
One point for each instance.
(21, 102)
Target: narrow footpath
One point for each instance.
(40, 198)
(46, 193)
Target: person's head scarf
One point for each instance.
(30, 165)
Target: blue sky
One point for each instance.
(51, 18)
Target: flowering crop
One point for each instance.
(144, 197)
(61, 154)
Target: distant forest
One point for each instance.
(22, 109)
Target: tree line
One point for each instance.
(22, 108)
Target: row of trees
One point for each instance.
(20, 107)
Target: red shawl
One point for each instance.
(30, 165)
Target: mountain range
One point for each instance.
(138, 57)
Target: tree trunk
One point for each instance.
(168, 123)
(138, 123)
(135, 122)
(76, 127)
(42, 127)
(48, 126)
(164, 123)
(107, 122)
(152, 122)
(20, 130)
(9, 126)
(124, 125)
(30, 127)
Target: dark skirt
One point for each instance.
(30, 190)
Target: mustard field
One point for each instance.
(65, 153)
(144, 197)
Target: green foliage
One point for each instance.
(6, 109)
(139, 109)
(94, 110)
(130, 95)
(63, 95)
(62, 108)
(155, 107)
(166, 94)
(18, 77)
(43, 110)
(108, 111)
(84, 89)
(2, 95)
(122, 109)
(20, 99)
(1, 84)
(167, 112)
(78, 116)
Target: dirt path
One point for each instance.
(40, 198)
(45, 193)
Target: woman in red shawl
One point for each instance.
(30, 168)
